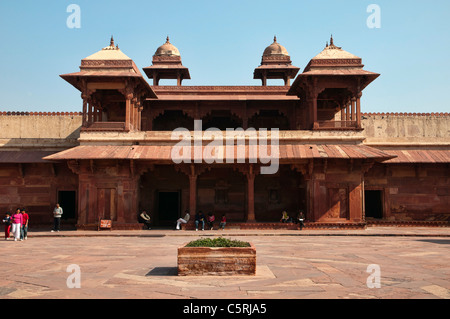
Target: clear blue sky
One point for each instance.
(221, 42)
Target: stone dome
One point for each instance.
(275, 49)
(167, 49)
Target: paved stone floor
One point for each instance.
(412, 264)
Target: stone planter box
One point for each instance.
(218, 261)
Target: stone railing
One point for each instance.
(336, 125)
(104, 126)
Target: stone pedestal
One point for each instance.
(218, 261)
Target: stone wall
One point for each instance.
(39, 130)
(412, 192)
(415, 128)
(380, 128)
(35, 187)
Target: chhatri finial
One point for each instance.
(274, 38)
(331, 40)
(167, 39)
(112, 41)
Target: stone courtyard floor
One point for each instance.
(412, 263)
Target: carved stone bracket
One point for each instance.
(192, 170)
(305, 169)
(366, 166)
(249, 170)
(74, 166)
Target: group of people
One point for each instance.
(16, 224)
(201, 219)
(209, 220)
(285, 218)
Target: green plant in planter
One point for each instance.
(217, 242)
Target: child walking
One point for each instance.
(7, 221)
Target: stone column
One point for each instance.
(311, 97)
(84, 97)
(134, 113)
(353, 119)
(155, 78)
(129, 96)
(251, 194)
(264, 79)
(358, 110)
(314, 120)
(192, 190)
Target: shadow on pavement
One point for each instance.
(163, 271)
(437, 241)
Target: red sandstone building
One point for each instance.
(341, 166)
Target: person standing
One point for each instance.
(16, 221)
(7, 221)
(57, 212)
(24, 228)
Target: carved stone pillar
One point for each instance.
(128, 125)
(353, 116)
(251, 194)
(192, 189)
(192, 171)
(358, 110)
(139, 114)
(192, 193)
(312, 93)
(251, 198)
(84, 97)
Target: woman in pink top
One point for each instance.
(16, 221)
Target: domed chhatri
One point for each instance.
(111, 52)
(167, 65)
(109, 61)
(275, 64)
(331, 51)
(333, 79)
(167, 49)
(275, 49)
